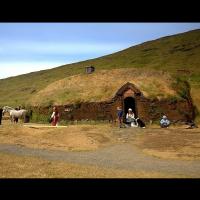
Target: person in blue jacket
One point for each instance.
(120, 115)
(164, 122)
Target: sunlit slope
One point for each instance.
(103, 85)
(167, 54)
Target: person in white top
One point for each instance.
(130, 118)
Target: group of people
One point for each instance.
(132, 121)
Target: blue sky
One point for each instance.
(27, 47)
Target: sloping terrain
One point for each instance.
(178, 54)
(102, 86)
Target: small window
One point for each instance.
(89, 69)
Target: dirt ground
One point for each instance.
(70, 138)
(12, 166)
(175, 144)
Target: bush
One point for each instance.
(63, 122)
(173, 99)
(182, 87)
(197, 119)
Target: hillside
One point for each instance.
(168, 54)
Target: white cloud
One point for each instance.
(13, 69)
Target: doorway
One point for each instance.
(129, 102)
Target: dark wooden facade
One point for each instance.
(128, 96)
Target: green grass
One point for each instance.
(168, 54)
(40, 118)
(83, 122)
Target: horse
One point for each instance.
(15, 113)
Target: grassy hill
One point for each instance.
(103, 85)
(171, 55)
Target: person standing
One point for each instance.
(55, 117)
(120, 115)
(1, 114)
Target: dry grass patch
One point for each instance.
(172, 143)
(12, 166)
(102, 85)
(73, 137)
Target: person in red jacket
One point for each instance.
(55, 117)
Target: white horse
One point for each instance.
(15, 113)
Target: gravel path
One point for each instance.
(120, 156)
